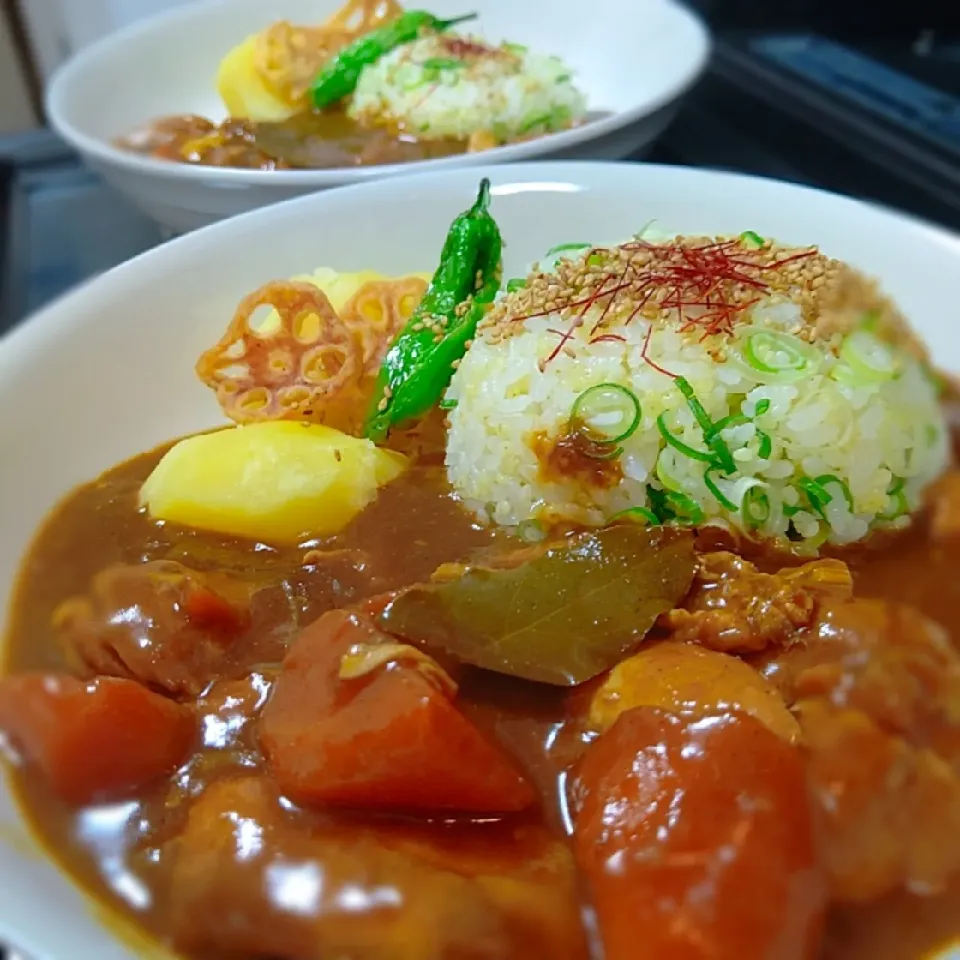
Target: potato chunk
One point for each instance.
(276, 482)
(691, 681)
(243, 90)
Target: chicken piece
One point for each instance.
(944, 500)
(157, 623)
(734, 608)
(697, 840)
(691, 681)
(876, 689)
(251, 878)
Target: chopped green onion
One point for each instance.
(595, 260)
(604, 451)
(710, 435)
(685, 509)
(750, 239)
(870, 320)
(639, 235)
(530, 531)
(637, 515)
(791, 510)
(515, 47)
(762, 407)
(765, 447)
(826, 478)
(755, 507)
(723, 500)
(448, 404)
(566, 248)
(442, 63)
(817, 495)
(673, 505)
(869, 360)
(779, 356)
(608, 411)
(679, 445)
(734, 420)
(898, 506)
(516, 284)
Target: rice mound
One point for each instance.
(441, 86)
(880, 437)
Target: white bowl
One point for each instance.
(107, 371)
(632, 59)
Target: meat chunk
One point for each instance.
(94, 741)
(389, 737)
(252, 879)
(158, 623)
(697, 840)
(876, 689)
(734, 608)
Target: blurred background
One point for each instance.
(859, 98)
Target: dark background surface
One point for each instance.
(877, 117)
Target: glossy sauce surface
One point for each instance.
(312, 140)
(128, 852)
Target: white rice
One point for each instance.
(431, 89)
(874, 437)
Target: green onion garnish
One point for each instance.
(734, 420)
(530, 531)
(608, 411)
(869, 360)
(448, 404)
(672, 505)
(828, 478)
(817, 496)
(722, 499)
(516, 284)
(765, 447)
(750, 239)
(566, 248)
(442, 63)
(710, 435)
(755, 507)
(779, 356)
(637, 515)
(685, 509)
(679, 445)
(762, 407)
(898, 501)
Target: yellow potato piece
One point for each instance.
(690, 680)
(243, 91)
(278, 482)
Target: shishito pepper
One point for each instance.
(338, 79)
(419, 365)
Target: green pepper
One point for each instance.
(420, 363)
(338, 79)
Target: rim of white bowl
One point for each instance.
(105, 152)
(544, 175)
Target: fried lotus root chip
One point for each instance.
(288, 57)
(377, 312)
(294, 369)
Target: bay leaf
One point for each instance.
(562, 617)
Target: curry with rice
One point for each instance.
(689, 687)
(374, 84)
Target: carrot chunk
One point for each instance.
(390, 739)
(94, 740)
